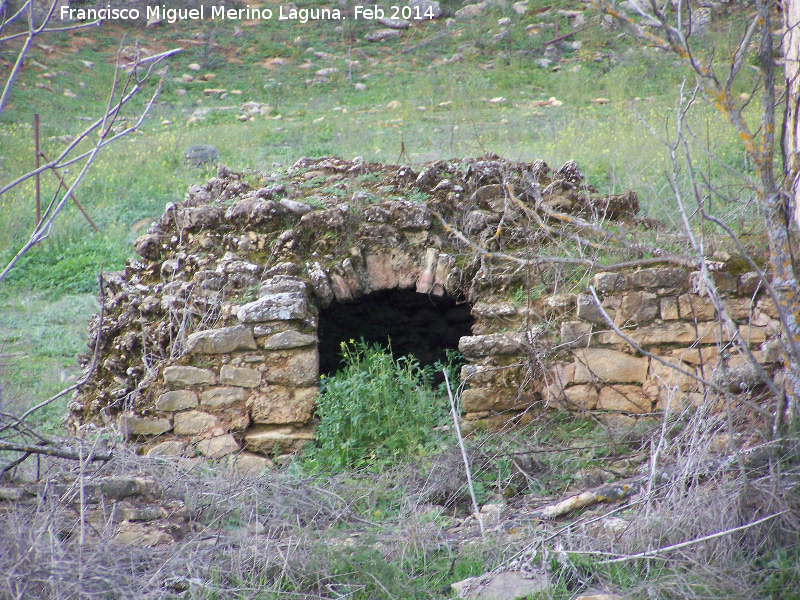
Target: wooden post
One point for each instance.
(36, 149)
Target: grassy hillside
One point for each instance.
(370, 98)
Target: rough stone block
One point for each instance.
(580, 397)
(446, 278)
(494, 375)
(766, 306)
(608, 365)
(713, 333)
(667, 377)
(498, 310)
(282, 439)
(588, 310)
(724, 282)
(606, 283)
(188, 376)
(696, 356)
(674, 332)
(637, 307)
(239, 376)
(476, 346)
(276, 307)
(176, 400)
(292, 367)
(428, 274)
(194, 422)
(278, 405)
(341, 291)
(282, 284)
(248, 463)
(664, 279)
(668, 306)
(624, 398)
(172, 448)
(221, 341)
(135, 425)
(576, 334)
(288, 339)
(217, 447)
(320, 283)
(496, 399)
(694, 308)
(748, 283)
(220, 397)
(739, 309)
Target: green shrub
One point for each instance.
(375, 409)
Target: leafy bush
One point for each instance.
(376, 408)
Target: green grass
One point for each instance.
(39, 341)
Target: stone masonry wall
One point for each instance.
(664, 310)
(209, 345)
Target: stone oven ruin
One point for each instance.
(212, 342)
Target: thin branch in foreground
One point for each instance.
(705, 538)
(463, 452)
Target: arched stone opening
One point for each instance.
(419, 324)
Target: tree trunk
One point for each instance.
(791, 54)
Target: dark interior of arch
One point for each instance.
(416, 324)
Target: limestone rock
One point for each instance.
(668, 308)
(135, 425)
(148, 246)
(221, 397)
(580, 397)
(423, 10)
(394, 23)
(221, 341)
(176, 400)
(279, 405)
(693, 307)
(427, 276)
(588, 310)
(320, 284)
(188, 376)
(496, 399)
(637, 307)
(217, 447)
(194, 422)
(669, 279)
(288, 339)
(282, 284)
(624, 398)
(610, 282)
(509, 585)
(239, 376)
(608, 365)
(276, 307)
(284, 439)
(248, 463)
(381, 34)
(471, 10)
(476, 346)
(171, 448)
(292, 368)
(576, 334)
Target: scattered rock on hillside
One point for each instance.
(471, 10)
(509, 585)
(426, 9)
(395, 23)
(381, 34)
